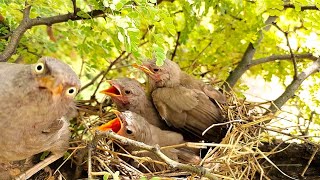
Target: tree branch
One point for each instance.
(246, 58)
(281, 57)
(294, 61)
(26, 12)
(303, 8)
(102, 73)
(290, 90)
(201, 171)
(197, 57)
(105, 72)
(27, 23)
(310, 120)
(176, 46)
(119, 58)
(16, 35)
(74, 4)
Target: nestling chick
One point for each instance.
(134, 126)
(128, 94)
(183, 101)
(33, 101)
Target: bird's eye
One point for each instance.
(156, 69)
(72, 91)
(39, 68)
(128, 131)
(127, 92)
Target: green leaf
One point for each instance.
(160, 55)
(119, 6)
(83, 14)
(297, 7)
(120, 37)
(172, 29)
(44, 155)
(106, 176)
(155, 178)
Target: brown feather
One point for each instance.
(183, 101)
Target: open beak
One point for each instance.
(143, 68)
(51, 84)
(114, 125)
(112, 91)
(116, 112)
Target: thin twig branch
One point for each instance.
(290, 135)
(290, 90)
(299, 125)
(148, 30)
(309, 162)
(81, 67)
(294, 61)
(82, 60)
(119, 58)
(176, 46)
(199, 55)
(75, 10)
(6, 36)
(92, 81)
(102, 73)
(201, 171)
(90, 162)
(105, 72)
(309, 123)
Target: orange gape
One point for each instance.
(114, 125)
(111, 91)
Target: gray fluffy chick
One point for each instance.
(33, 101)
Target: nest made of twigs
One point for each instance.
(237, 156)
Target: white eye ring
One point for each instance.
(39, 68)
(71, 91)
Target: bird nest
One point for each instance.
(237, 156)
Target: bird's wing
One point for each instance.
(172, 103)
(187, 109)
(10, 93)
(214, 94)
(188, 156)
(53, 127)
(192, 83)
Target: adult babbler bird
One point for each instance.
(183, 101)
(128, 94)
(34, 99)
(134, 126)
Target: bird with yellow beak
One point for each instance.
(35, 101)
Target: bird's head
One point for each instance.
(167, 75)
(57, 78)
(126, 93)
(127, 124)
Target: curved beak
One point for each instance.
(113, 90)
(143, 68)
(114, 125)
(51, 83)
